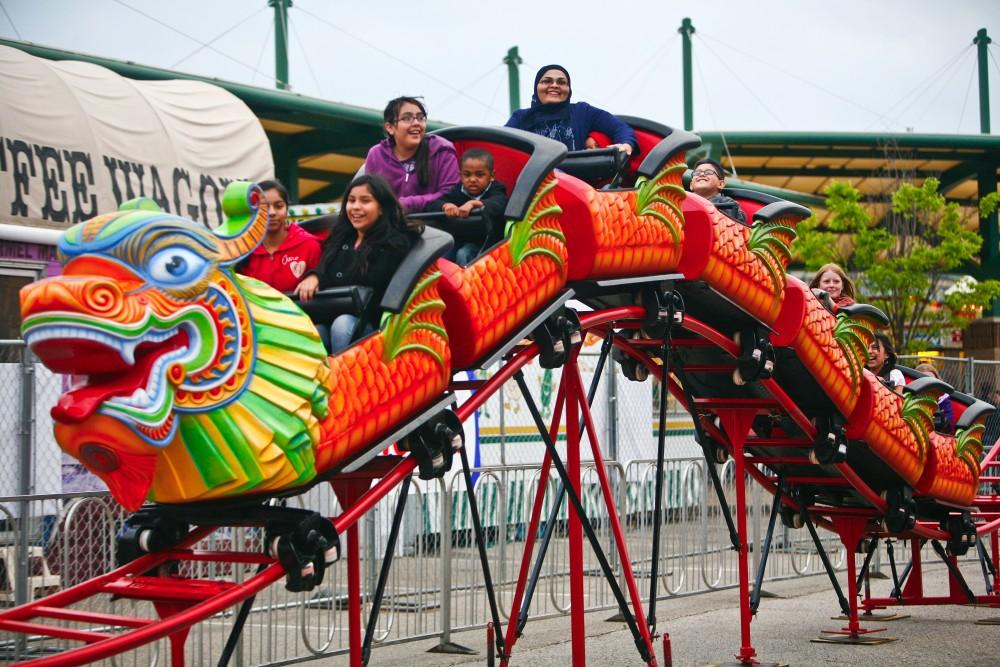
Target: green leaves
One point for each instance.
(770, 241)
(652, 192)
(902, 261)
(397, 328)
(970, 441)
(522, 232)
(988, 205)
(853, 335)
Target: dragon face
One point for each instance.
(149, 327)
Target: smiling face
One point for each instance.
(277, 211)
(706, 181)
(408, 128)
(831, 283)
(363, 210)
(876, 356)
(553, 87)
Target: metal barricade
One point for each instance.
(57, 529)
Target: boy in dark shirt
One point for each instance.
(707, 180)
(477, 190)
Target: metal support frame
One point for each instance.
(736, 425)
(863, 572)
(956, 576)
(845, 606)
(572, 400)
(850, 529)
(383, 575)
(703, 439)
(543, 546)
(758, 581)
(477, 525)
(908, 588)
(661, 442)
(986, 564)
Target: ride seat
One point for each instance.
(320, 226)
(475, 229)
(358, 300)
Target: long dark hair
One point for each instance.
(422, 159)
(890, 355)
(275, 184)
(389, 228)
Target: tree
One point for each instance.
(901, 261)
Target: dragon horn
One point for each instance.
(246, 221)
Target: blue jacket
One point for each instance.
(585, 119)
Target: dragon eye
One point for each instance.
(175, 266)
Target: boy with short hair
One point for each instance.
(707, 180)
(478, 189)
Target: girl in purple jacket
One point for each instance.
(419, 168)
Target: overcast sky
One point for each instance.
(851, 65)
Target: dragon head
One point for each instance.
(158, 337)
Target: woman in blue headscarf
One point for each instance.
(552, 115)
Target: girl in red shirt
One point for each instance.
(287, 252)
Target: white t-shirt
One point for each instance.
(896, 378)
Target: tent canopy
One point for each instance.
(77, 139)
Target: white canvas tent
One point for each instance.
(76, 139)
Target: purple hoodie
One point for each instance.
(413, 197)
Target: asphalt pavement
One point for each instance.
(704, 630)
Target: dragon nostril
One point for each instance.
(99, 458)
(103, 297)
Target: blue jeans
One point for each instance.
(465, 254)
(337, 337)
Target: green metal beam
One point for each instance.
(286, 167)
(322, 174)
(739, 150)
(857, 139)
(812, 201)
(328, 193)
(512, 60)
(982, 41)
(686, 30)
(281, 42)
(960, 173)
(826, 172)
(349, 141)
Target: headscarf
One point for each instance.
(540, 115)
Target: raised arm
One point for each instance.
(602, 121)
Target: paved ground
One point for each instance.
(704, 630)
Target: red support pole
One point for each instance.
(995, 548)
(851, 530)
(913, 589)
(577, 605)
(176, 639)
(602, 474)
(350, 489)
(736, 423)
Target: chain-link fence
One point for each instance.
(58, 527)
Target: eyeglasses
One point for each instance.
(548, 81)
(705, 172)
(408, 118)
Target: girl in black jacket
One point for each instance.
(366, 245)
